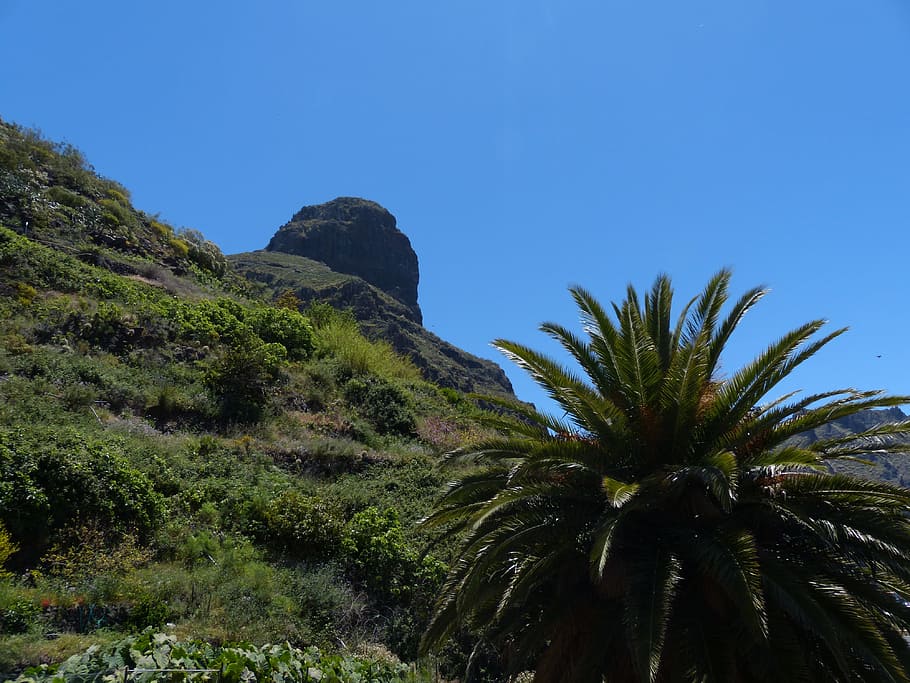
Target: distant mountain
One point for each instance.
(854, 424)
(349, 252)
(892, 467)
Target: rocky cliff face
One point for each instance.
(350, 253)
(356, 237)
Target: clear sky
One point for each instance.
(524, 146)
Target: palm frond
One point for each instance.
(658, 311)
(578, 399)
(748, 386)
(730, 558)
(647, 606)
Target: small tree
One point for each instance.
(289, 300)
(244, 378)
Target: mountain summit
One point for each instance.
(356, 237)
(350, 253)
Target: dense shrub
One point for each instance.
(288, 300)
(244, 378)
(180, 247)
(316, 384)
(305, 526)
(67, 197)
(283, 326)
(204, 253)
(17, 616)
(381, 558)
(322, 313)
(121, 212)
(206, 322)
(382, 404)
(7, 548)
(162, 230)
(55, 478)
(88, 557)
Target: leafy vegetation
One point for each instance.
(49, 192)
(668, 528)
(151, 656)
(51, 479)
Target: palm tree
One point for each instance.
(668, 527)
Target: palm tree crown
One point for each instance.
(668, 528)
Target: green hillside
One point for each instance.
(179, 451)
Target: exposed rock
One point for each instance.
(349, 252)
(356, 237)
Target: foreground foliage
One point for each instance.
(668, 529)
(159, 656)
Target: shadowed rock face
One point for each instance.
(357, 237)
(349, 253)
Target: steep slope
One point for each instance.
(51, 194)
(349, 252)
(176, 448)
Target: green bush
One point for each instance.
(88, 556)
(208, 322)
(331, 607)
(282, 326)
(381, 558)
(382, 404)
(149, 611)
(316, 384)
(67, 197)
(78, 396)
(7, 548)
(53, 478)
(305, 526)
(204, 253)
(322, 313)
(118, 193)
(121, 212)
(161, 229)
(18, 617)
(288, 300)
(244, 378)
(181, 248)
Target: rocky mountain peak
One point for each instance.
(357, 237)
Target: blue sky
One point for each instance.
(523, 146)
